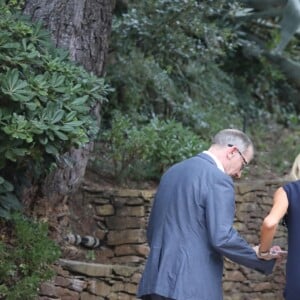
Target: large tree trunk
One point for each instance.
(83, 28)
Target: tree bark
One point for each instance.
(83, 28)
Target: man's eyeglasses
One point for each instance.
(245, 163)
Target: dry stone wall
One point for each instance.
(119, 218)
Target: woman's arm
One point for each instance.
(270, 223)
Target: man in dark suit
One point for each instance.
(191, 224)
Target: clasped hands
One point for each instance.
(274, 252)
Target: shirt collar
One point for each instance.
(217, 161)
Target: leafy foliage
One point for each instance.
(166, 66)
(166, 56)
(45, 99)
(8, 201)
(139, 151)
(185, 61)
(265, 80)
(26, 261)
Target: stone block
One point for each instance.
(48, 289)
(130, 222)
(131, 211)
(105, 210)
(99, 288)
(142, 250)
(67, 294)
(88, 296)
(131, 236)
(88, 269)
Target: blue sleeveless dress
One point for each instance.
(292, 219)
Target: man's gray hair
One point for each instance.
(233, 137)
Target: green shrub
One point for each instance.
(173, 143)
(144, 151)
(8, 201)
(26, 261)
(167, 62)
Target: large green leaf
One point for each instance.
(16, 88)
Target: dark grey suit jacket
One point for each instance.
(189, 232)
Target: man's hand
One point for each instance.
(274, 252)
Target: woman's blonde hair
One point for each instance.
(295, 171)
